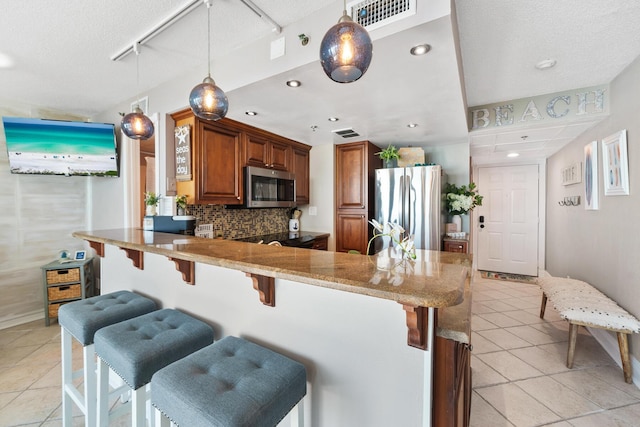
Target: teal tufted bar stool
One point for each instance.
(81, 320)
(137, 348)
(232, 383)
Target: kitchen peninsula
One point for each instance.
(314, 306)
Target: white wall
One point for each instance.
(38, 214)
(601, 247)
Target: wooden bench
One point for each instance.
(583, 305)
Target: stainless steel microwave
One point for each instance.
(269, 188)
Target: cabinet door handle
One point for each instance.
(238, 197)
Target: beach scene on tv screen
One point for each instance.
(60, 148)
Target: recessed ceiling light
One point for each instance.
(250, 113)
(546, 64)
(412, 125)
(333, 119)
(420, 49)
(293, 83)
(513, 155)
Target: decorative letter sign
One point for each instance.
(183, 153)
(559, 106)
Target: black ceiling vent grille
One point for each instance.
(346, 133)
(372, 14)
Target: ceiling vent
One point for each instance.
(372, 14)
(346, 133)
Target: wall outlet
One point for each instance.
(313, 210)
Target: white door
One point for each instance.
(508, 219)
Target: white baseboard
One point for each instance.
(23, 318)
(609, 342)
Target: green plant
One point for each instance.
(389, 153)
(151, 199)
(460, 200)
(181, 201)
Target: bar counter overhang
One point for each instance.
(362, 325)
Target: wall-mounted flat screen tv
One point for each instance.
(58, 147)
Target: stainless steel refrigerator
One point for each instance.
(411, 197)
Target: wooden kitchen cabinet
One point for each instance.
(451, 383)
(300, 167)
(321, 244)
(216, 158)
(355, 191)
(455, 245)
(265, 152)
(220, 150)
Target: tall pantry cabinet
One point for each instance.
(356, 163)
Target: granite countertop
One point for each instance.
(434, 279)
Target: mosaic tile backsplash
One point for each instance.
(239, 223)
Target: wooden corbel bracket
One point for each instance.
(265, 287)
(418, 324)
(98, 247)
(136, 256)
(187, 268)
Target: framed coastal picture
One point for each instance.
(615, 165)
(591, 176)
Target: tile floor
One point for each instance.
(519, 372)
(518, 362)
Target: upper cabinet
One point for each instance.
(220, 150)
(267, 153)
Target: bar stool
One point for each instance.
(232, 382)
(135, 349)
(81, 319)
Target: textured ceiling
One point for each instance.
(60, 53)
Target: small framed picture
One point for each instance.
(615, 164)
(80, 256)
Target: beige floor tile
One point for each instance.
(544, 361)
(531, 334)
(523, 302)
(504, 339)
(612, 375)
(484, 415)
(560, 399)
(47, 354)
(517, 406)
(627, 416)
(53, 378)
(480, 345)
(496, 294)
(558, 424)
(550, 315)
(38, 336)
(500, 319)
(509, 366)
(10, 355)
(23, 409)
(484, 375)
(588, 353)
(499, 305)
(6, 398)
(588, 385)
(524, 317)
(479, 308)
(20, 377)
(555, 330)
(480, 324)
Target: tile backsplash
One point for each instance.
(239, 223)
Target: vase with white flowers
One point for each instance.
(460, 200)
(401, 243)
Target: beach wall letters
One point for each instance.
(562, 106)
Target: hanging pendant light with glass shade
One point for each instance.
(136, 125)
(207, 100)
(346, 50)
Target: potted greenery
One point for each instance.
(181, 203)
(388, 155)
(151, 200)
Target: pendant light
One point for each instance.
(346, 50)
(207, 100)
(135, 124)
